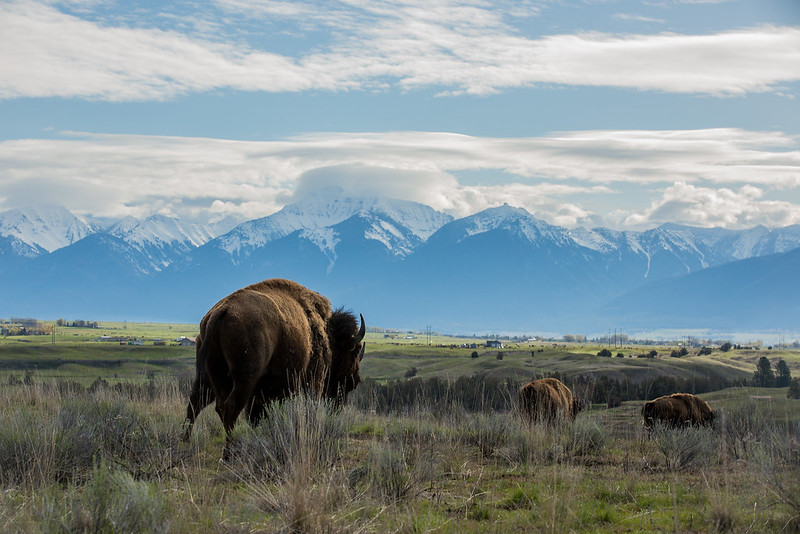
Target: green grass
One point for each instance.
(76, 356)
(111, 461)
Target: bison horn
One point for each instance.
(363, 329)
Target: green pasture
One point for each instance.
(74, 354)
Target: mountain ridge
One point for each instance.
(404, 262)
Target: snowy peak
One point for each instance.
(45, 227)
(398, 224)
(517, 221)
(159, 229)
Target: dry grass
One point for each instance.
(111, 461)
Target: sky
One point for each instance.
(617, 113)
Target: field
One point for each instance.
(90, 441)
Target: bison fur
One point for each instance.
(268, 341)
(548, 400)
(677, 410)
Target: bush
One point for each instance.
(112, 501)
(794, 389)
(298, 435)
(685, 447)
(605, 353)
(386, 474)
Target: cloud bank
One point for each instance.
(715, 177)
(451, 48)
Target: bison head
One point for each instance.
(347, 348)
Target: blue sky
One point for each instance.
(618, 113)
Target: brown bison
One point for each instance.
(548, 400)
(269, 340)
(677, 410)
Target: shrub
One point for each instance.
(386, 474)
(299, 434)
(605, 353)
(684, 447)
(112, 501)
(585, 437)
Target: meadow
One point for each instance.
(90, 442)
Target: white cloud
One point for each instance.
(558, 176)
(724, 207)
(456, 47)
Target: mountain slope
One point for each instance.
(754, 293)
(405, 265)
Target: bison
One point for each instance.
(267, 341)
(677, 410)
(548, 400)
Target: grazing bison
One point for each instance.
(677, 410)
(548, 400)
(269, 340)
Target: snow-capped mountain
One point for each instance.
(159, 240)
(29, 232)
(402, 263)
(399, 225)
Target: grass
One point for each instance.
(108, 458)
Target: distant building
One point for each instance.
(187, 341)
(494, 344)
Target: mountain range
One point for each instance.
(406, 265)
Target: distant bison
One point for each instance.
(677, 410)
(267, 341)
(548, 400)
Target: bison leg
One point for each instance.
(230, 409)
(200, 397)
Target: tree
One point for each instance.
(764, 377)
(725, 347)
(784, 377)
(794, 389)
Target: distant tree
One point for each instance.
(675, 354)
(784, 374)
(704, 351)
(620, 355)
(764, 377)
(652, 354)
(684, 351)
(725, 347)
(794, 389)
(605, 353)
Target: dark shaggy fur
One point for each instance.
(548, 400)
(269, 340)
(677, 410)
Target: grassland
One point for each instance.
(106, 459)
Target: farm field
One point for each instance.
(80, 454)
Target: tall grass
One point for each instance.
(108, 459)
